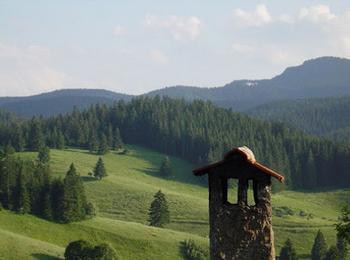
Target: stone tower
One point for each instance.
(240, 231)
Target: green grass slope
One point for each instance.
(26, 237)
(123, 199)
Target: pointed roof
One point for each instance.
(241, 152)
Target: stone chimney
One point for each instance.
(240, 231)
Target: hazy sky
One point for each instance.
(137, 46)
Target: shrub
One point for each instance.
(81, 249)
(192, 251)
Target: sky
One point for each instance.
(137, 46)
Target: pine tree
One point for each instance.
(117, 141)
(44, 155)
(46, 203)
(159, 213)
(288, 251)
(60, 142)
(332, 254)
(342, 247)
(36, 136)
(310, 170)
(57, 199)
(21, 195)
(343, 226)
(165, 169)
(93, 143)
(74, 200)
(103, 147)
(319, 247)
(100, 170)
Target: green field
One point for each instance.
(123, 198)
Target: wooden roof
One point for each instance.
(243, 153)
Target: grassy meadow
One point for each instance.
(122, 201)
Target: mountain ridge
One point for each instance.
(315, 78)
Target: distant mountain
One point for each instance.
(328, 117)
(321, 77)
(59, 101)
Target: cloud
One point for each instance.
(316, 14)
(181, 28)
(243, 48)
(158, 56)
(258, 17)
(119, 30)
(24, 70)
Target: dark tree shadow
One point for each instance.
(182, 249)
(45, 257)
(88, 178)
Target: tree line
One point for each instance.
(197, 131)
(26, 186)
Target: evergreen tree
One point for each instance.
(9, 149)
(100, 170)
(21, 195)
(93, 143)
(57, 199)
(17, 138)
(332, 254)
(74, 200)
(165, 169)
(44, 155)
(103, 147)
(36, 136)
(46, 201)
(319, 247)
(288, 251)
(110, 136)
(60, 143)
(343, 226)
(117, 141)
(342, 247)
(159, 213)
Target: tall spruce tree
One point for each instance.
(44, 155)
(57, 199)
(100, 170)
(332, 254)
(288, 251)
(36, 136)
(21, 195)
(103, 147)
(342, 247)
(93, 142)
(343, 225)
(117, 140)
(165, 168)
(319, 248)
(159, 214)
(74, 200)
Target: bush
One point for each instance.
(105, 252)
(81, 249)
(282, 211)
(192, 251)
(78, 250)
(90, 210)
(302, 213)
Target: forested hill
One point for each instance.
(321, 77)
(198, 132)
(60, 101)
(329, 117)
